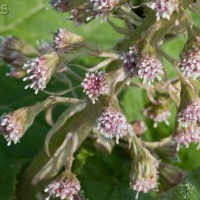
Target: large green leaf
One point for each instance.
(105, 176)
(188, 190)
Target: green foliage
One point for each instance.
(188, 190)
(102, 176)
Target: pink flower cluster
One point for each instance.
(188, 135)
(94, 85)
(37, 74)
(113, 123)
(149, 69)
(190, 63)
(190, 115)
(63, 189)
(164, 8)
(9, 129)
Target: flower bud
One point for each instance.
(170, 176)
(95, 85)
(190, 62)
(14, 125)
(167, 149)
(164, 8)
(65, 186)
(112, 123)
(139, 127)
(40, 70)
(65, 40)
(15, 53)
(144, 173)
(129, 60)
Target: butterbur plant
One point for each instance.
(108, 111)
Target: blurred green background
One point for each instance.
(103, 177)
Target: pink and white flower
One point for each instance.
(10, 129)
(190, 63)
(95, 85)
(63, 189)
(113, 124)
(187, 135)
(164, 8)
(190, 115)
(149, 69)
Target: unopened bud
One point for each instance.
(144, 171)
(15, 53)
(65, 40)
(170, 175)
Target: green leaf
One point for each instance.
(9, 169)
(105, 176)
(188, 190)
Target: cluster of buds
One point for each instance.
(94, 85)
(113, 124)
(66, 186)
(144, 173)
(13, 125)
(65, 40)
(15, 52)
(164, 8)
(129, 60)
(40, 70)
(190, 63)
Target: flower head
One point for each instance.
(190, 63)
(149, 69)
(164, 8)
(186, 135)
(190, 115)
(13, 125)
(40, 70)
(65, 187)
(15, 52)
(144, 173)
(65, 40)
(113, 123)
(129, 60)
(94, 85)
